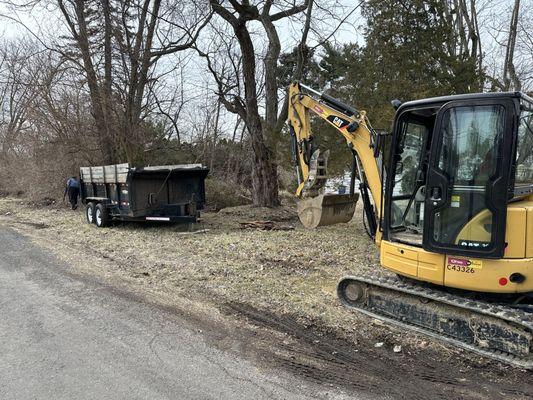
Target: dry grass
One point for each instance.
(288, 273)
(291, 272)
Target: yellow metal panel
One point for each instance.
(399, 258)
(378, 237)
(300, 105)
(529, 233)
(413, 261)
(515, 233)
(431, 267)
(485, 275)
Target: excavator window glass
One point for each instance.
(470, 142)
(468, 156)
(408, 169)
(524, 153)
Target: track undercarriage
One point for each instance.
(497, 331)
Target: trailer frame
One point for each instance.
(170, 193)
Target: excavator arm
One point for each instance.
(315, 208)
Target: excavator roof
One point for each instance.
(469, 96)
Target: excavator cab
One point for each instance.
(452, 172)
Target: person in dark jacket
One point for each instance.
(73, 190)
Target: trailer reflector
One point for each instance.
(157, 218)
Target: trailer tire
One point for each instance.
(89, 212)
(101, 216)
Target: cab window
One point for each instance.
(524, 151)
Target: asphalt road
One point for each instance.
(66, 337)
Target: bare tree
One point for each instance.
(463, 16)
(524, 49)
(509, 54)
(254, 93)
(17, 91)
(45, 123)
(136, 36)
(510, 76)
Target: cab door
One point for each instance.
(468, 178)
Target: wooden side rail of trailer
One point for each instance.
(174, 193)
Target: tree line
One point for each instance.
(164, 81)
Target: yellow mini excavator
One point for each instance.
(450, 206)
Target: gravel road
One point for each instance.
(63, 336)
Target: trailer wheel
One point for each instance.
(89, 212)
(101, 216)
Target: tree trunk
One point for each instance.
(509, 72)
(81, 36)
(264, 175)
(215, 138)
(261, 130)
(264, 170)
(110, 128)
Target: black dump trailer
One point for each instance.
(173, 193)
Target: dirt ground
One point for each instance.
(280, 283)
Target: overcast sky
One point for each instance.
(45, 18)
(45, 21)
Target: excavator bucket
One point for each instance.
(326, 209)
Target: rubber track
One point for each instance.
(510, 315)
